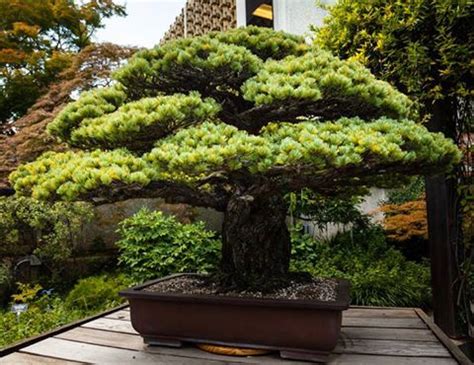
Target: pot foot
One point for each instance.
(157, 341)
(314, 356)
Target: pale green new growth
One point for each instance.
(319, 76)
(91, 104)
(70, 174)
(309, 146)
(140, 122)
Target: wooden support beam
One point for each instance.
(442, 207)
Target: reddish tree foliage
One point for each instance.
(90, 68)
(406, 221)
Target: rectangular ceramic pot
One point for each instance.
(299, 329)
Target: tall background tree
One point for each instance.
(426, 49)
(37, 42)
(234, 121)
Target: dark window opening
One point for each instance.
(259, 12)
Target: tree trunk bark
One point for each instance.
(256, 242)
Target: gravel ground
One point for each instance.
(316, 289)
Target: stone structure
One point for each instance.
(199, 17)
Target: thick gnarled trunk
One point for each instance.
(256, 242)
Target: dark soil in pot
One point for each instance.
(298, 288)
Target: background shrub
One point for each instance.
(47, 310)
(96, 293)
(380, 275)
(153, 244)
(48, 230)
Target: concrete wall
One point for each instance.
(296, 16)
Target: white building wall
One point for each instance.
(296, 16)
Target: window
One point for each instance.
(259, 12)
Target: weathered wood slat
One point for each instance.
(348, 345)
(387, 334)
(378, 313)
(18, 358)
(110, 324)
(441, 336)
(135, 342)
(123, 315)
(353, 359)
(393, 348)
(78, 351)
(104, 338)
(383, 322)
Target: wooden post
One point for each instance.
(443, 229)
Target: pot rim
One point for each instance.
(341, 303)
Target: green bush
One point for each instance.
(153, 244)
(96, 292)
(380, 275)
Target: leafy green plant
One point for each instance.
(153, 244)
(379, 274)
(96, 292)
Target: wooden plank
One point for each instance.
(412, 334)
(18, 358)
(392, 348)
(135, 342)
(104, 338)
(376, 313)
(110, 324)
(78, 351)
(383, 322)
(122, 315)
(353, 359)
(379, 347)
(452, 348)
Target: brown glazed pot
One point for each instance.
(298, 329)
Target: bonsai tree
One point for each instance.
(233, 121)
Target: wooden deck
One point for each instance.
(398, 336)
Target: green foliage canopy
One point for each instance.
(198, 120)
